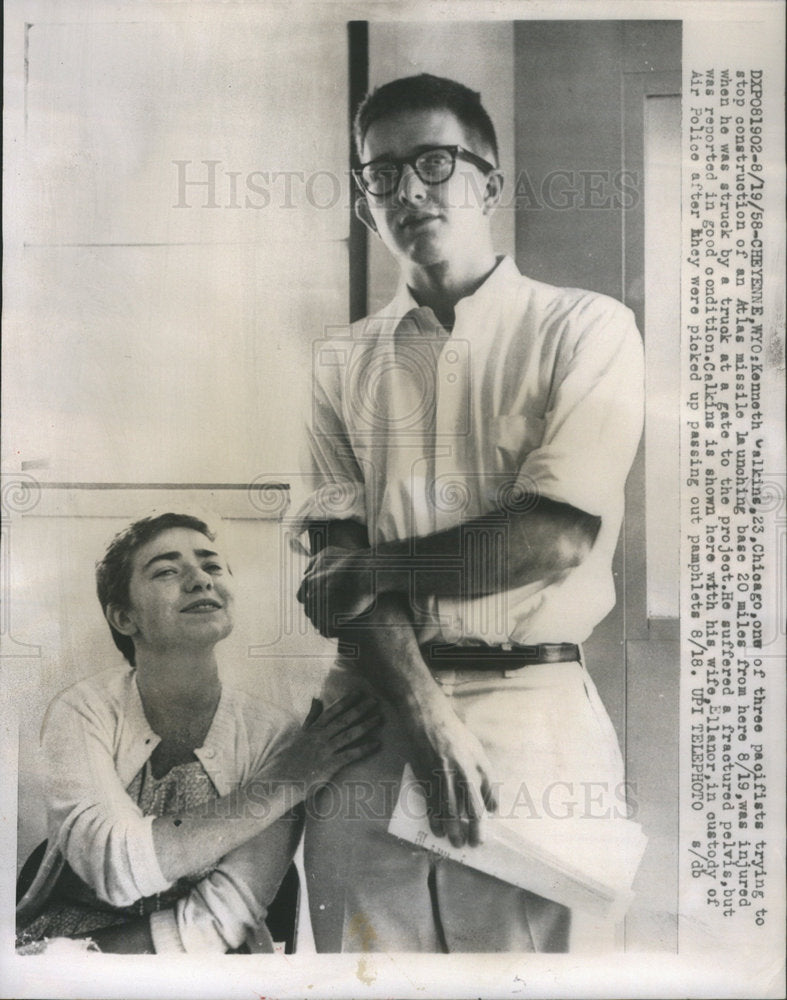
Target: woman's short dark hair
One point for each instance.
(427, 93)
(113, 572)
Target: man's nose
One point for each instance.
(411, 188)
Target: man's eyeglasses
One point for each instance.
(433, 166)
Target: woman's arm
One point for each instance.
(130, 938)
(124, 855)
(329, 740)
(230, 904)
(222, 909)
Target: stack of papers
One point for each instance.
(587, 864)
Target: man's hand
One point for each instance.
(446, 757)
(337, 587)
(451, 765)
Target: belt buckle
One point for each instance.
(509, 647)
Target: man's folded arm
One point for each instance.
(347, 534)
(490, 554)
(497, 551)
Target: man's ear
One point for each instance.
(362, 212)
(121, 620)
(493, 191)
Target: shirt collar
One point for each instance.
(486, 297)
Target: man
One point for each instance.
(469, 446)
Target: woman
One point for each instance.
(171, 800)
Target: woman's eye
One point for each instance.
(164, 572)
(213, 568)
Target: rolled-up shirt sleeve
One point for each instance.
(594, 420)
(591, 429)
(333, 479)
(100, 831)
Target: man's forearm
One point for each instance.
(447, 758)
(492, 553)
(344, 534)
(544, 538)
(385, 648)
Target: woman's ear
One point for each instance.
(121, 620)
(364, 215)
(493, 191)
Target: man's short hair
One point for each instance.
(113, 572)
(427, 93)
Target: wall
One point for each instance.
(159, 315)
(160, 308)
(587, 141)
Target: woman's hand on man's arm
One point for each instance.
(330, 739)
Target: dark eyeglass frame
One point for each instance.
(456, 152)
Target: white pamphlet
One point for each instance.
(585, 863)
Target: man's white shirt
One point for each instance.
(537, 390)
